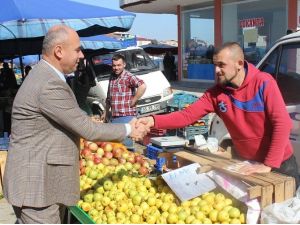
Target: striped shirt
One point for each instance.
(122, 90)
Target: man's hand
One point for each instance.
(138, 131)
(146, 121)
(133, 102)
(255, 168)
(103, 116)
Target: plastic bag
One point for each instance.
(287, 212)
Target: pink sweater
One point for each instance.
(254, 114)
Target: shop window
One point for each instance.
(198, 44)
(256, 25)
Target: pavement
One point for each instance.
(7, 215)
(192, 87)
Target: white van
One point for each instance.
(283, 62)
(138, 62)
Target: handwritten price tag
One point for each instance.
(186, 183)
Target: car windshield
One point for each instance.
(137, 60)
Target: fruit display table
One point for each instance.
(117, 186)
(270, 187)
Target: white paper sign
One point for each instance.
(186, 183)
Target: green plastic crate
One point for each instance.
(190, 131)
(80, 215)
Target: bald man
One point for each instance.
(252, 108)
(42, 169)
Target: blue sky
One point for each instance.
(154, 26)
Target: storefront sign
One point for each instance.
(252, 22)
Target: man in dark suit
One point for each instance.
(42, 170)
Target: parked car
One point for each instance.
(138, 62)
(282, 61)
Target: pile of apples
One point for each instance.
(124, 199)
(111, 154)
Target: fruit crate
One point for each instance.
(152, 152)
(180, 100)
(80, 215)
(165, 160)
(157, 132)
(269, 188)
(190, 131)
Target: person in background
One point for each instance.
(124, 91)
(42, 169)
(252, 108)
(27, 69)
(9, 87)
(169, 66)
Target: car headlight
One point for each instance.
(167, 91)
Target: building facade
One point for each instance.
(206, 24)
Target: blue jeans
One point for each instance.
(125, 119)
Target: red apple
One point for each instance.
(138, 158)
(122, 160)
(108, 155)
(143, 171)
(82, 171)
(93, 146)
(117, 152)
(86, 144)
(102, 144)
(146, 164)
(97, 159)
(99, 143)
(131, 159)
(85, 151)
(89, 156)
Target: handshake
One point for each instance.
(140, 127)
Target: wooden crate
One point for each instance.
(3, 155)
(270, 187)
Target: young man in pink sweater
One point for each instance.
(252, 108)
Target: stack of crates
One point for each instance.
(164, 160)
(153, 133)
(181, 100)
(190, 131)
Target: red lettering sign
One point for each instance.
(252, 22)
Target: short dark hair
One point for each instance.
(118, 56)
(234, 47)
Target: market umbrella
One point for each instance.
(23, 23)
(158, 49)
(100, 43)
(27, 60)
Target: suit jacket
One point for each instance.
(43, 158)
